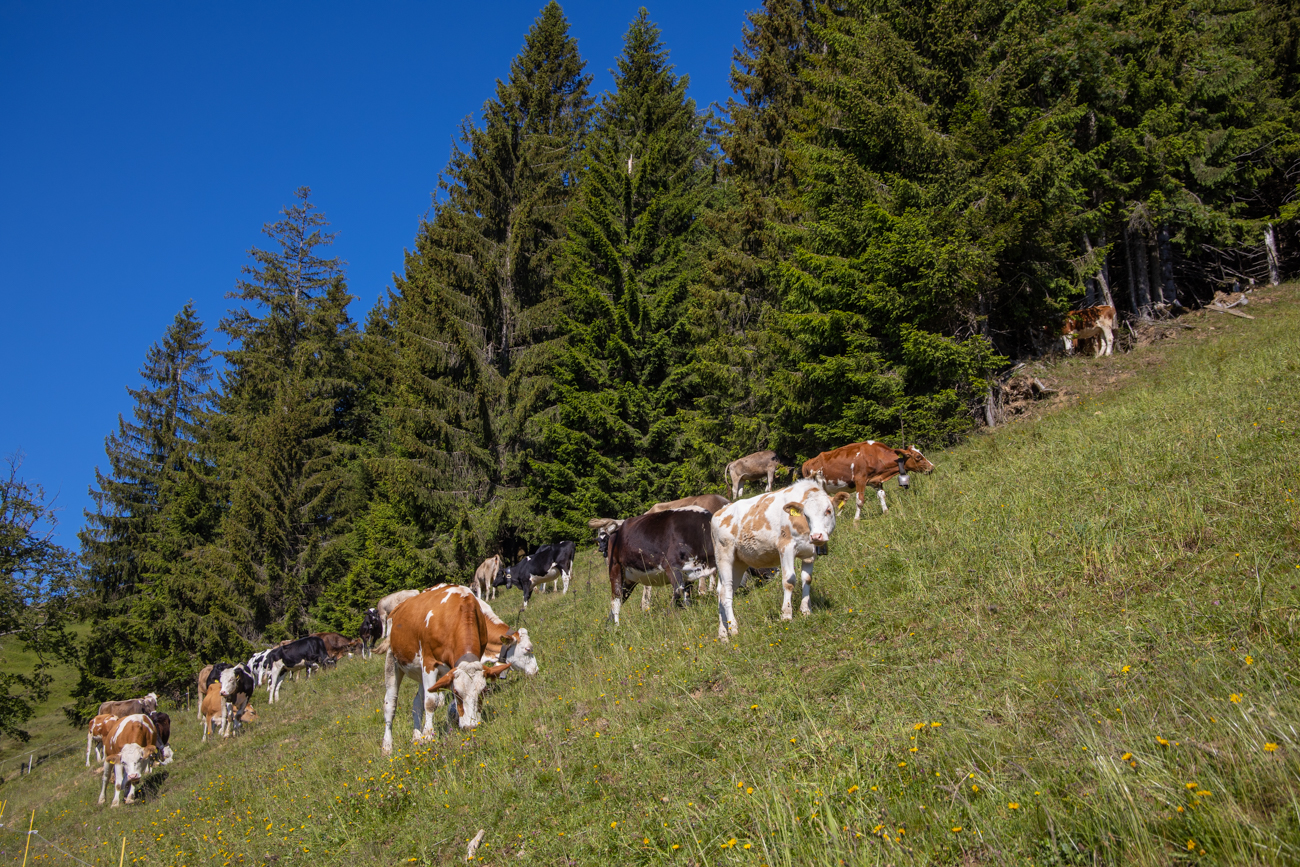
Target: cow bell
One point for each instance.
(904, 480)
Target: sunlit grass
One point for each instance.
(1074, 643)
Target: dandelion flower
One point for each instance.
(1162, 741)
(1250, 660)
(613, 824)
(1126, 757)
(1235, 698)
(1125, 669)
(1191, 845)
(852, 789)
(956, 829)
(1270, 747)
(904, 764)
(1013, 805)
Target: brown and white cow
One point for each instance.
(127, 707)
(130, 749)
(711, 502)
(101, 725)
(439, 638)
(861, 464)
(484, 575)
(389, 603)
(1090, 323)
(772, 531)
(212, 710)
(756, 466)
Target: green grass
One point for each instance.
(1058, 619)
(48, 728)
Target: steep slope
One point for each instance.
(1073, 643)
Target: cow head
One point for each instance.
(816, 511)
(911, 461)
(502, 578)
(150, 702)
(229, 682)
(517, 651)
(249, 714)
(135, 760)
(467, 682)
(605, 529)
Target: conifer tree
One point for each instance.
(286, 425)
(631, 258)
(475, 312)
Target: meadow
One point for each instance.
(1073, 643)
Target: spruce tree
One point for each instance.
(287, 427)
(475, 313)
(630, 262)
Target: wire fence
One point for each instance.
(36, 758)
(34, 833)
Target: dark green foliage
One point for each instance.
(286, 426)
(475, 314)
(631, 259)
(37, 578)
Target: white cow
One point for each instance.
(772, 531)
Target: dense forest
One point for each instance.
(615, 294)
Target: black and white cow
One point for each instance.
(552, 562)
(305, 653)
(237, 686)
(372, 629)
(673, 547)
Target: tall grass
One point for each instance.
(1074, 643)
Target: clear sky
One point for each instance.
(144, 145)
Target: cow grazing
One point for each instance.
(861, 464)
(1091, 323)
(212, 710)
(553, 562)
(759, 465)
(772, 531)
(130, 706)
(440, 638)
(386, 606)
(237, 685)
(658, 548)
(129, 750)
(209, 675)
(372, 629)
(304, 653)
(337, 645)
(162, 723)
(484, 575)
(99, 727)
(711, 502)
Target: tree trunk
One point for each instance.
(1168, 289)
(1139, 267)
(1098, 287)
(1270, 250)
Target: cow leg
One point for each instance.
(726, 613)
(771, 475)
(119, 779)
(565, 577)
(392, 680)
(430, 700)
(880, 495)
(90, 743)
(805, 607)
(787, 581)
(645, 597)
(103, 782)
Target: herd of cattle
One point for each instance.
(448, 639)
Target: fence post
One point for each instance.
(29, 837)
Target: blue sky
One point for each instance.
(144, 145)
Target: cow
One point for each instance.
(869, 463)
(129, 750)
(658, 548)
(756, 466)
(237, 685)
(306, 653)
(212, 710)
(257, 665)
(1090, 323)
(484, 575)
(768, 531)
(162, 723)
(336, 645)
(372, 629)
(130, 706)
(101, 725)
(207, 676)
(440, 638)
(386, 605)
(712, 502)
(553, 562)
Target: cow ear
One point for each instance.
(509, 639)
(150, 751)
(496, 670)
(794, 509)
(443, 682)
(840, 499)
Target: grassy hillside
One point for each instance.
(1074, 643)
(48, 728)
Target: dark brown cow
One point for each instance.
(756, 466)
(336, 645)
(861, 464)
(1090, 323)
(671, 547)
(440, 638)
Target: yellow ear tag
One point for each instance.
(792, 510)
